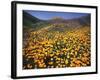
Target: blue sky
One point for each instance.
(46, 15)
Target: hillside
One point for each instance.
(29, 20)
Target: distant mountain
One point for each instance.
(60, 24)
(57, 20)
(76, 22)
(54, 24)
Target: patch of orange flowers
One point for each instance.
(54, 49)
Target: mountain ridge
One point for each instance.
(33, 22)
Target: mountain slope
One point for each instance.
(29, 20)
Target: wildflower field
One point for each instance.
(46, 48)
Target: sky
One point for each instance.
(46, 15)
